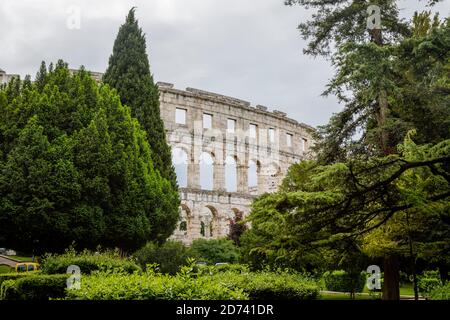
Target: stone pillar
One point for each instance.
(219, 176)
(242, 178)
(193, 175)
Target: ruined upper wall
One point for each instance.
(197, 102)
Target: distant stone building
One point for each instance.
(225, 152)
(5, 78)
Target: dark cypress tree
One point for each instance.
(129, 73)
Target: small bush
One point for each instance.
(87, 261)
(428, 281)
(440, 293)
(35, 287)
(170, 256)
(341, 281)
(216, 250)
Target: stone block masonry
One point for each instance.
(204, 125)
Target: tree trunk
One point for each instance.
(391, 288)
(443, 272)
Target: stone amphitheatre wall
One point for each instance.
(236, 136)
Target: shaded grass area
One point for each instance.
(21, 258)
(346, 296)
(405, 290)
(5, 269)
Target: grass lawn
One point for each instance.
(21, 258)
(405, 290)
(5, 269)
(346, 296)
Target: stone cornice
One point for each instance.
(238, 103)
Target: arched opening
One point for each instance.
(206, 171)
(209, 222)
(230, 174)
(184, 227)
(180, 163)
(253, 171)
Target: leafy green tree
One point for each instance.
(324, 206)
(76, 167)
(129, 73)
(365, 82)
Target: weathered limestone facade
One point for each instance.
(5, 78)
(265, 147)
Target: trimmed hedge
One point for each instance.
(271, 285)
(193, 283)
(35, 287)
(88, 262)
(15, 276)
(341, 281)
(152, 286)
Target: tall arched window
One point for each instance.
(206, 171)
(230, 174)
(209, 223)
(252, 174)
(180, 162)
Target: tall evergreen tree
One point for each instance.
(75, 166)
(129, 73)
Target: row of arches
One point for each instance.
(206, 171)
(207, 223)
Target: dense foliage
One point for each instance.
(76, 167)
(440, 293)
(190, 284)
(87, 261)
(170, 256)
(215, 250)
(339, 280)
(34, 287)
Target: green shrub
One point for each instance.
(428, 281)
(87, 261)
(236, 268)
(35, 287)
(440, 293)
(170, 256)
(194, 282)
(264, 285)
(15, 276)
(341, 281)
(216, 250)
(153, 286)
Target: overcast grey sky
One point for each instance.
(249, 49)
